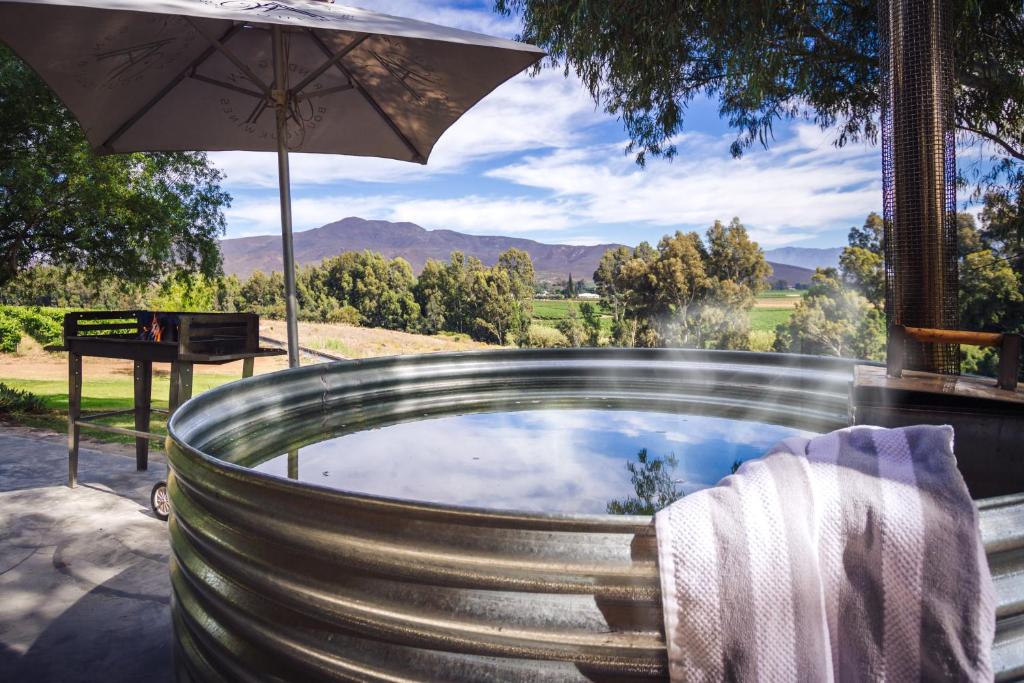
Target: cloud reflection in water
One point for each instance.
(544, 460)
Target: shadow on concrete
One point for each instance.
(116, 632)
(84, 583)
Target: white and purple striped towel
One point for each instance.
(853, 556)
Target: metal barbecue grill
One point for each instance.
(146, 337)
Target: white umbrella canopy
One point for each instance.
(176, 75)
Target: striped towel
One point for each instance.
(853, 556)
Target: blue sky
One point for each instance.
(538, 159)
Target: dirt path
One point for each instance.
(779, 302)
(43, 365)
(366, 342)
(31, 362)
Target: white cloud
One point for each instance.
(546, 134)
(478, 19)
(791, 191)
(472, 214)
(525, 114)
(575, 240)
(484, 215)
(246, 170)
(262, 216)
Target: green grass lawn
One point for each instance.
(554, 309)
(547, 312)
(769, 318)
(101, 396)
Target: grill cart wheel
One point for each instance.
(160, 502)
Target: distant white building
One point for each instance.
(588, 295)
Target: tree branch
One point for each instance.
(1018, 155)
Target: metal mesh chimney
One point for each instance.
(919, 175)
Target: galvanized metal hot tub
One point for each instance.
(281, 579)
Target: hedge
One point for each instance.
(10, 333)
(45, 325)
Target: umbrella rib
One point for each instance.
(328, 64)
(323, 92)
(173, 83)
(219, 46)
(225, 85)
(417, 155)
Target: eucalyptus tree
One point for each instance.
(684, 292)
(762, 63)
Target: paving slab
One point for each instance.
(84, 585)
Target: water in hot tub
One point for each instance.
(545, 460)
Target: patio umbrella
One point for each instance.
(260, 75)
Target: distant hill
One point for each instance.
(415, 244)
(244, 255)
(805, 257)
(793, 275)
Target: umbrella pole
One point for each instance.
(280, 93)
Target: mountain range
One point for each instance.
(805, 257)
(244, 255)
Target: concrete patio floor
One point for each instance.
(84, 587)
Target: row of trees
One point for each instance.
(697, 293)
(685, 292)
(462, 295)
(843, 312)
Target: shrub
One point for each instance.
(762, 340)
(979, 361)
(43, 325)
(10, 333)
(17, 401)
(541, 337)
(346, 314)
(454, 336)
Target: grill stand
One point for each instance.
(202, 339)
(180, 391)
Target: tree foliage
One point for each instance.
(380, 289)
(991, 293)
(843, 313)
(136, 217)
(834, 320)
(864, 271)
(591, 323)
(653, 483)
(763, 63)
(359, 288)
(684, 292)
(491, 304)
(870, 235)
(572, 328)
